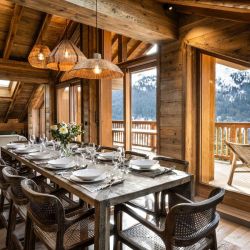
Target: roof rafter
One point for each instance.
(12, 103)
(132, 51)
(17, 13)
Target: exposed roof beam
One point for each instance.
(126, 40)
(17, 13)
(24, 113)
(12, 103)
(114, 39)
(147, 48)
(22, 71)
(5, 99)
(44, 28)
(132, 51)
(228, 9)
(141, 20)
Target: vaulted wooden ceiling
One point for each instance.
(20, 29)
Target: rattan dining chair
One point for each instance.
(106, 149)
(18, 202)
(47, 220)
(188, 225)
(155, 204)
(132, 155)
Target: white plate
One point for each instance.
(15, 145)
(107, 155)
(61, 162)
(76, 179)
(152, 168)
(143, 163)
(26, 150)
(80, 150)
(88, 174)
(40, 156)
(59, 168)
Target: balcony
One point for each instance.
(144, 134)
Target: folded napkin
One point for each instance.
(152, 174)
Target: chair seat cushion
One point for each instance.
(75, 234)
(148, 240)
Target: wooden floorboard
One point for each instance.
(230, 236)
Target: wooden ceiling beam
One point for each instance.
(12, 103)
(141, 20)
(146, 49)
(132, 51)
(126, 40)
(5, 99)
(114, 39)
(44, 28)
(25, 111)
(17, 13)
(22, 71)
(122, 48)
(228, 9)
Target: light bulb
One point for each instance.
(79, 89)
(40, 56)
(66, 53)
(97, 69)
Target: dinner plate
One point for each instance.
(26, 150)
(60, 162)
(88, 174)
(80, 150)
(15, 145)
(76, 179)
(144, 163)
(107, 155)
(138, 168)
(40, 156)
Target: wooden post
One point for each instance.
(127, 111)
(105, 97)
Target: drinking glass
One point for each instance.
(32, 139)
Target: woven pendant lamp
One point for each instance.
(65, 56)
(96, 67)
(38, 56)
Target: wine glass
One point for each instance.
(32, 139)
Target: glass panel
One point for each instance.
(144, 132)
(63, 105)
(117, 112)
(4, 83)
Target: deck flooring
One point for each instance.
(241, 181)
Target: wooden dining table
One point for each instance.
(133, 187)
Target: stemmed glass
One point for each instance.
(92, 153)
(32, 139)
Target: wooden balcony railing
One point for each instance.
(144, 133)
(230, 131)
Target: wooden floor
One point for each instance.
(241, 181)
(230, 236)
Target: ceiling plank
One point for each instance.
(114, 39)
(25, 111)
(141, 20)
(17, 13)
(12, 103)
(132, 51)
(22, 71)
(228, 9)
(44, 28)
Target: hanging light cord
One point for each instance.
(96, 27)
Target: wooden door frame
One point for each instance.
(233, 199)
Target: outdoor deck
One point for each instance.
(240, 182)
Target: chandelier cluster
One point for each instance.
(66, 56)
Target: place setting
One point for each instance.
(149, 168)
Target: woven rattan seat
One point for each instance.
(75, 234)
(47, 220)
(188, 225)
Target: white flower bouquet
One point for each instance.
(65, 133)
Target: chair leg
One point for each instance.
(118, 228)
(234, 166)
(214, 243)
(9, 228)
(28, 228)
(2, 198)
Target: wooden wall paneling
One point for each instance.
(149, 20)
(17, 13)
(105, 97)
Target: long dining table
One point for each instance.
(133, 187)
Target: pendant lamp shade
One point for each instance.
(38, 56)
(65, 56)
(95, 68)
